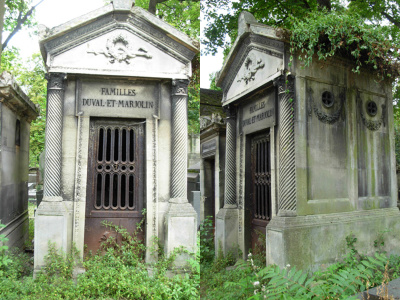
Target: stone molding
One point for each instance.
(287, 170)
(179, 139)
(230, 156)
(134, 25)
(12, 96)
(241, 182)
(331, 219)
(53, 147)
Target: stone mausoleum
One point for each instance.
(116, 132)
(16, 114)
(309, 154)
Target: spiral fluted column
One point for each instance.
(179, 140)
(55, 99)
(230, 157)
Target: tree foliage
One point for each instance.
(222, 17)
(18, 15)
(184, 15)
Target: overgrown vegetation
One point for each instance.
(117, 271)
(223, 278)
(328, 34)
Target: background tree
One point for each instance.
(184, 15)
(18, 15)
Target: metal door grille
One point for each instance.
(116, 178)
(261, 171)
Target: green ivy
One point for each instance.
(323, 35)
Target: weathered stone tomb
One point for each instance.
(116, 133)
(16, 114)
(309, 154)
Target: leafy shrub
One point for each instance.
(206, 233)
(4, 258)
(347, 35)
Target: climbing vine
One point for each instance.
(323, 35)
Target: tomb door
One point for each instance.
(115, 179)
(260, 189)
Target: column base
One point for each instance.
(226, 231)
(53, 223)
(181, 230)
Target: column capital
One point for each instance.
(230, 111)
(56, 81)
(285, 84)
(180, 87)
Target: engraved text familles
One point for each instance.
(260, 113)
(119, 92)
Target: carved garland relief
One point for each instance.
(252, 65)
(371, 108)
(328, 102)
(118, 48)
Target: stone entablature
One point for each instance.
(13, 97)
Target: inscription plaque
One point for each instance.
(117, 99)
(259, 113)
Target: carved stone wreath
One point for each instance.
(372, 125)
(252, 65)
(119, 49)
(323, 116)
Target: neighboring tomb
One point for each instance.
(116, 132)
(309, 154)
(16, 114)
(212, 147)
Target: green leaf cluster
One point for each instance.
(184, 16)
(14, 10)
(323, 35)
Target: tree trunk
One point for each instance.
(152, 6)
(2, 10)
(324, 3)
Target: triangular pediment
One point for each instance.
(256, 61)
(130, 43)
(256, 58)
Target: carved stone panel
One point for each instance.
(258, 66)
(118, 99)
(259, 113)
(373, 145)
(119, 52)
(327, 141)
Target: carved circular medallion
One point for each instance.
(327, 99)
(372, 108)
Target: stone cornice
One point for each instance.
(14, 98)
